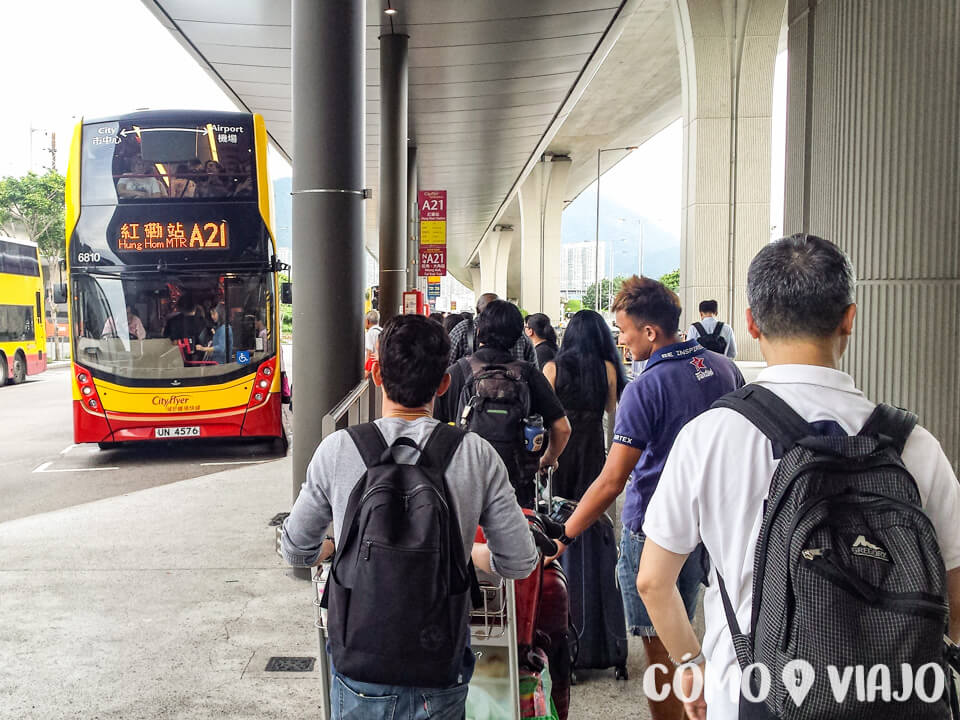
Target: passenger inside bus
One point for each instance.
(181, 186)
(133, 324)
(140, 182)
(187, 329)
(222, 341)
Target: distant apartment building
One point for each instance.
(578, 267)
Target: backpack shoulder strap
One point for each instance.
(369, 441)
(440, 447)
(700, 329)
(718, 328)
(771, 415)
(891, 424)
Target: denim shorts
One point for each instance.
(352, 700)
(691, 575)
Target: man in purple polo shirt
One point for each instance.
(680, 381)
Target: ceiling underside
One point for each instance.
(493, 85)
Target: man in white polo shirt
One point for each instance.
(713, 487)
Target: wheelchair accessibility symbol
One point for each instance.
(243, 357)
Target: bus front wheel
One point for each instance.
(19, 368)
(3, 369)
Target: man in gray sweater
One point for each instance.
(411, 372)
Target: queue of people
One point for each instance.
(709, 469)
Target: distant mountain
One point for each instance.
(283, 211)
(661, 247)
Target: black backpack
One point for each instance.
(712, 341)
(493, 403)
(399, 588)
(847, 570)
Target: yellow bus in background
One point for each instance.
(22, 333)
(172, 271)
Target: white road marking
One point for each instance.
(233, 462)
(45, 468)
(68, 449)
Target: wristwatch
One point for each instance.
(566, 540)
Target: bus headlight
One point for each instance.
(258, 397)
(268, 371)
(86, 390)
(82, 378)
(264, 384)
(92, 404)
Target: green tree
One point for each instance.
(608, 290)
(671, 279)
(33, 205)
(573, 306)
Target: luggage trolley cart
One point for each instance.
(493, 637)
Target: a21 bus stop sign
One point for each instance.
(433, 260)
(433, 217)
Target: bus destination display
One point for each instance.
(158, 236)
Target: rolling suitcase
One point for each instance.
(553, 622)
(596, 608)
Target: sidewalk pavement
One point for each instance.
(168, 603)
(162, 603)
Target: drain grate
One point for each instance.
(290, 664)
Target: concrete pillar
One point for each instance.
(728, 50)
(541, 208)
(872, 158)
(476, 281)
(328, 58)
(413, 220)
(494, 257)
(393, 173)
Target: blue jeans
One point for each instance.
(691, 575)
(352, 700)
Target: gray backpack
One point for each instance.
(847, 571)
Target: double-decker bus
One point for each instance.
(172, 273)
(22, 332)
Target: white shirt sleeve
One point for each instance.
(731, 342)
(692, 333)
(939, 491)
(672, 519)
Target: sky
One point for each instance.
(65, 59)
(48, 89)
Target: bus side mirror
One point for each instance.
(286, 293)
(60, 293)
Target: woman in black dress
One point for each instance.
(544, 338)
(588, 377)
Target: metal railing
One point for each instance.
(362, 404)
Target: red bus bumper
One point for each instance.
(261, 421)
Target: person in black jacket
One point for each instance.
(543, 337)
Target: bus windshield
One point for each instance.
(179, 159)
(172, 326)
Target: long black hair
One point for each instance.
(587, 343)
(540, 324)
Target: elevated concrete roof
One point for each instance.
(493, 85)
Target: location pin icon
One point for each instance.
(798, 676)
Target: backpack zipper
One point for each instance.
(821, 563)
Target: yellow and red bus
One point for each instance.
(22, 332)
(172, 271)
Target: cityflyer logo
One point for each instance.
(927, 682)
(175, 403)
